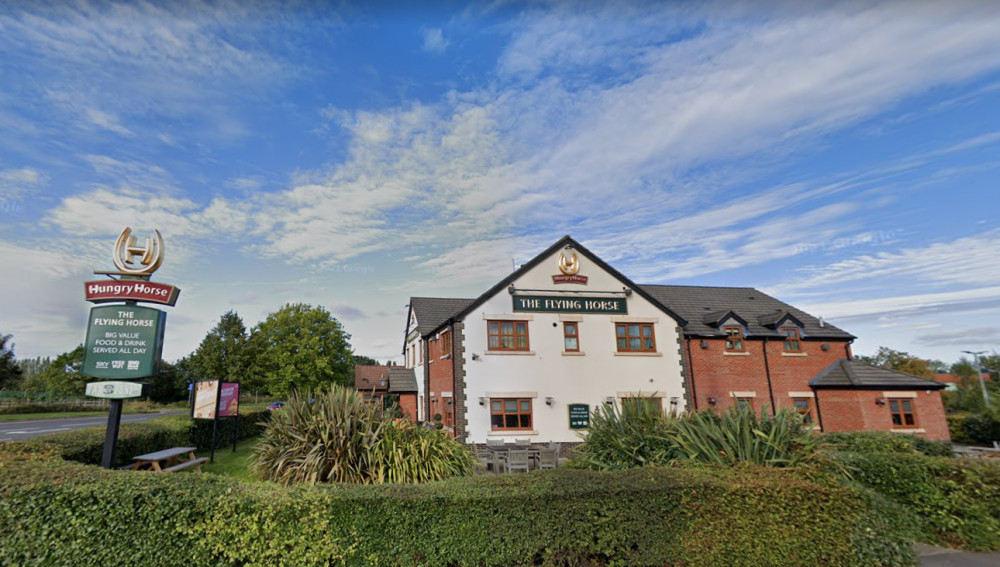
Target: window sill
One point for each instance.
(737, 353)
(445, 357)
(573, 353)
(638, 353)
(510, 432)
(794, 354)
(917, 430)
(510, 352)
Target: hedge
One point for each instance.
(885, 442)
(87, 445)
(54, 512)
(952, 502)
(980, 428)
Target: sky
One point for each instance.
(841, 157)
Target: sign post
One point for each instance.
(125, 341)
(214, 399)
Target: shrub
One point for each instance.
(340, 437)
(632, 435)
(954, 502)
(981, 428)
(885, 442)
(50, 512)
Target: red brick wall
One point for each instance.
(856, 410)
(408, 403)
(716, 373)
(441, 373)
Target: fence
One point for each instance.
(83, 404)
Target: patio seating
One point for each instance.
(517, 459)
(522, 442)
(548, 459)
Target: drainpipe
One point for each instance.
(819, 414)
(694, 394)
(767, 372)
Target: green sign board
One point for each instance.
(575, 304)
(123, 342)
(579, 416)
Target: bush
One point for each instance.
(638, 435)
(87, 445)
(51, 511)
(868, 442)
(953, 502)
(338, 436)
(983, 428)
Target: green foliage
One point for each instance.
(900, 361)
(983, 428)
(224, 354)
(170, 385)
(10, 370)
(56, 513)
(362, 360)
(638, 435)
(87, 445)
(49, 407)
(339, 437)
(869, 442)
(62, 377)
(953, 502)
(301, 348)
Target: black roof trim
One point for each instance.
(561, 243)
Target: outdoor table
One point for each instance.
(534, 453)
(168, 460)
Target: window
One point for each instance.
(902, 412)
(571, 337)
(792, 336)
(734, 338)
(510, 413)
(744, 403)
(445, 344)
(507, 335)
(637, 404)
(635, 337)
(803, 409)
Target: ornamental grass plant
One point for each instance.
(338, 436)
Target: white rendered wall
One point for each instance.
(418, 367)
(588, 378)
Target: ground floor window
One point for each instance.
(744, 403)
(510, 413)
(803, 408)
(638, 404)
(902, 412)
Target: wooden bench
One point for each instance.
(196, 463)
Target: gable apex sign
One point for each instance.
(569, 266)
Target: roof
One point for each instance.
(393, 379)
(851, 375)
(371, 377)
(700, 305)
(432, 312)
(561, 243)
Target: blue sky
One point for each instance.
(843, 158)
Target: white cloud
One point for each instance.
(16, 183)
(434, 41)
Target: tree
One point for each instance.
(301, 347)
(170, 385)
(10, 371)
(62, 377)
(362, 360)
(900, 361)
(224, 353)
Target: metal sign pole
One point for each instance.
(215, 420)
(111, 436)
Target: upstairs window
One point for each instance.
(734, 338)
(507, 335)
(792, 336)
(445, 344)
(571, 337)
(635, 337)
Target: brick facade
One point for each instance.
(857, 410)
(408, 403)
(440, 380)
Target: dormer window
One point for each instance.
(734, 338)
(792, 336)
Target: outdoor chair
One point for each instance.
(548, 459)
(517, 459)
(522, 442)
(485, 456)
(494, 442)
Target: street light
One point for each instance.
(979, 373)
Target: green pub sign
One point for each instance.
(554, 304)
(123, 342)
(579, 416)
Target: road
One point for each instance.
(26, 429)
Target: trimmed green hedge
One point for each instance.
(54, 512)
(952, 502)
(87, 445)
(885, 442)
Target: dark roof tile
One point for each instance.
(848, 374)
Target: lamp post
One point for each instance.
(979, 374)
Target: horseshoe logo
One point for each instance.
(151, 254)
(569, 266)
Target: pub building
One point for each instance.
(566, 333)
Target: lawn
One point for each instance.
(230, 463)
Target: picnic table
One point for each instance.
(168, 460)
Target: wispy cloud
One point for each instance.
(434, 41)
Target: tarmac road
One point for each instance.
(28, 428)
